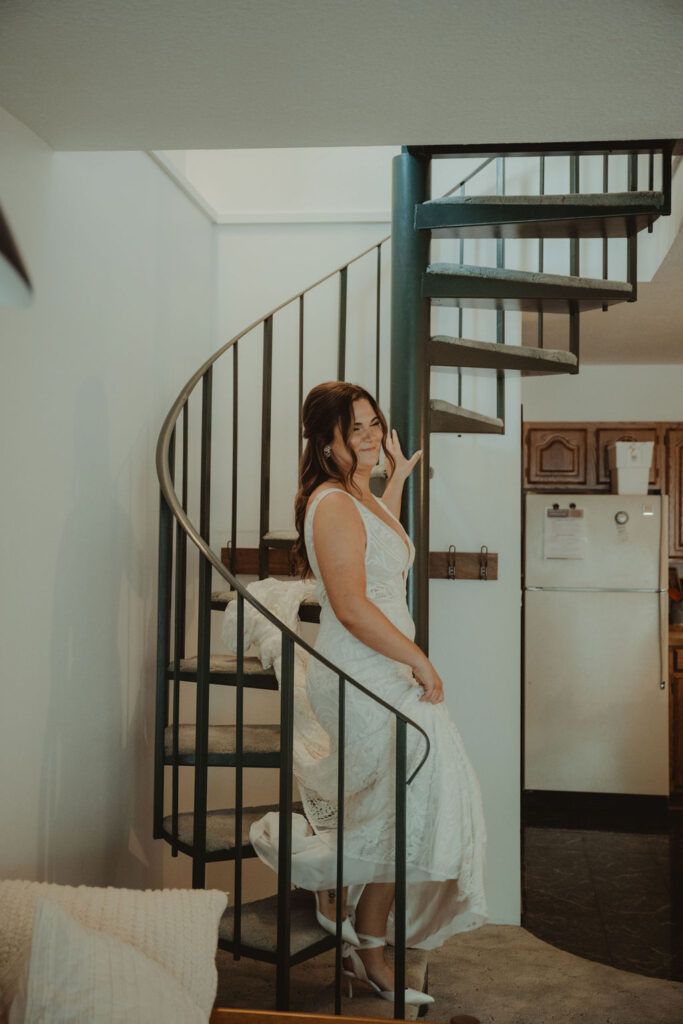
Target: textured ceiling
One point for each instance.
(215, 74)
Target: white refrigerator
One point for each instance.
(596, 609)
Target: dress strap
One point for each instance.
(384, 505)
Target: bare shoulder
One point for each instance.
(319, 490)
(335, 516)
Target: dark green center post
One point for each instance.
(410, 328)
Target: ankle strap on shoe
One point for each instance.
(371, 941)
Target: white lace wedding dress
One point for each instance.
(446, 834)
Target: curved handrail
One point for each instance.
(176, 509)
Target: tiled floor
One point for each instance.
(614, 897)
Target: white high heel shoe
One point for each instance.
(412, 996)
(348, 931)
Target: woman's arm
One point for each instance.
(393, 491)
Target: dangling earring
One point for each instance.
(327, 451)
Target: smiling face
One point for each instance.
(365, 438)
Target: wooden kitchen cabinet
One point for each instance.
(574, 456)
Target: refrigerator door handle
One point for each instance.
(664, 591)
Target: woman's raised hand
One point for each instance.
(430, 681)
(404, 466)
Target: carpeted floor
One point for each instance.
(500, 974)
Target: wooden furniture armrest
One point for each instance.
(224, 1015)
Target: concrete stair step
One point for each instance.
(259, 926)
(280, 538)
(249, 985)
(260, 745)
(445, 418)
(452, 284)
(220, 831)
(600, 215)
(223, 671)
(445, 351)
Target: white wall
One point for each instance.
(301, 184)
(124, 311)
(606, 393)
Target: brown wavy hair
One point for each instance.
(325, 406)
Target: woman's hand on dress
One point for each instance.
(404, 466)
(430, 681)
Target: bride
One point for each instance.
(355, 547)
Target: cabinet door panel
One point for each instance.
(557, 456)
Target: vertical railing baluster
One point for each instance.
(301, 373)
(377, 319)
(341, 350)
(574, 260)
(341, 744)
(461, 248)
(541, 254)
(574, 322)
(667, 170)
(266, 412)
(203, 648)
(632, 240)
(605, 240)
(233, 500)
(284, 874)
(163, 648)
(500, 313)
(182, 561)
(400, 872)
(651, 181)
(239, 777)
(178, 638)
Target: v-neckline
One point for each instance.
(407, 546)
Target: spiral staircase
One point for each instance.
(282, 930)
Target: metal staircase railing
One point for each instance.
(417, 285)
(170, 672)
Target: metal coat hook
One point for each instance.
(483, 562)
(450, 569)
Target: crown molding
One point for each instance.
(264, 216)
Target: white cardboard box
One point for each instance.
(629, 463)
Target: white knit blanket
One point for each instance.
(282, 598)
(177, 928)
